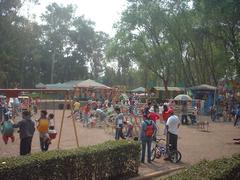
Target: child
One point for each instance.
(129, 128)
(51, 130)
(86, 113)
(119, 124)
(7, 129)
(92, 121)
(42, 128)
(51, 121)
(26, 131)
(193, 115)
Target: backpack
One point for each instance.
(149, 129)
(7, 128)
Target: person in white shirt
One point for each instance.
(119, 124)
(172, 126)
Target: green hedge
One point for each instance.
(104, 161)
(220, 169)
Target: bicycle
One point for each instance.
(161, 149)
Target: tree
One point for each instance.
(58, 20)
(18, 48)
(222, 21)
(144, 27)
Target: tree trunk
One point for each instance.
(165, 84)
(52, 66)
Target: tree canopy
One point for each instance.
(157, 42)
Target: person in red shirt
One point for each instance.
(166, 114)
(153, 116)
(86, 113)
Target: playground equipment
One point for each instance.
(67, 100)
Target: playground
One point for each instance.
(194, 143)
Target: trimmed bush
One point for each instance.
(104, 161)
(220, 169)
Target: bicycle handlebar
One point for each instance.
(160, 139)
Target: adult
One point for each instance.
(165, 115)
(26, 131)
(119, 124)
(148, 131)
(3, 112)
(152, 115)
(184, 112)
(146, 109)
(237, 118)
(172, 126)
(131, 104)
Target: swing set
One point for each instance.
(67, 100)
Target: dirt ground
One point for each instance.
(193, 143)
(86, 136)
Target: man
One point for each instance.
(3, 112)
(237, 115)
(152, 115)
(146, 109)
(119, 124)
(165, 115)
(172, 126)
(26, 131)
(148, 131)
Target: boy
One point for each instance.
(7, 128)
(42, 128)
(129, 128)
(119, 124)
(26, 131)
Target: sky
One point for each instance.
(103, 12)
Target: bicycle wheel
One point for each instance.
(153, 154)
(175, 156)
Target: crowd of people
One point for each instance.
(93, 113)
(147, 131)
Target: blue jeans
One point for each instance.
(43, 144)
(146, 142)
(119, 132)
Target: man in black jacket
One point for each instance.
(26, 131)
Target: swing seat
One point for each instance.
(52, 134)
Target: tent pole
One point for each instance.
(73, 120)
(63, 114)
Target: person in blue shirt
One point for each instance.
(147, 133)
(237, 115)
